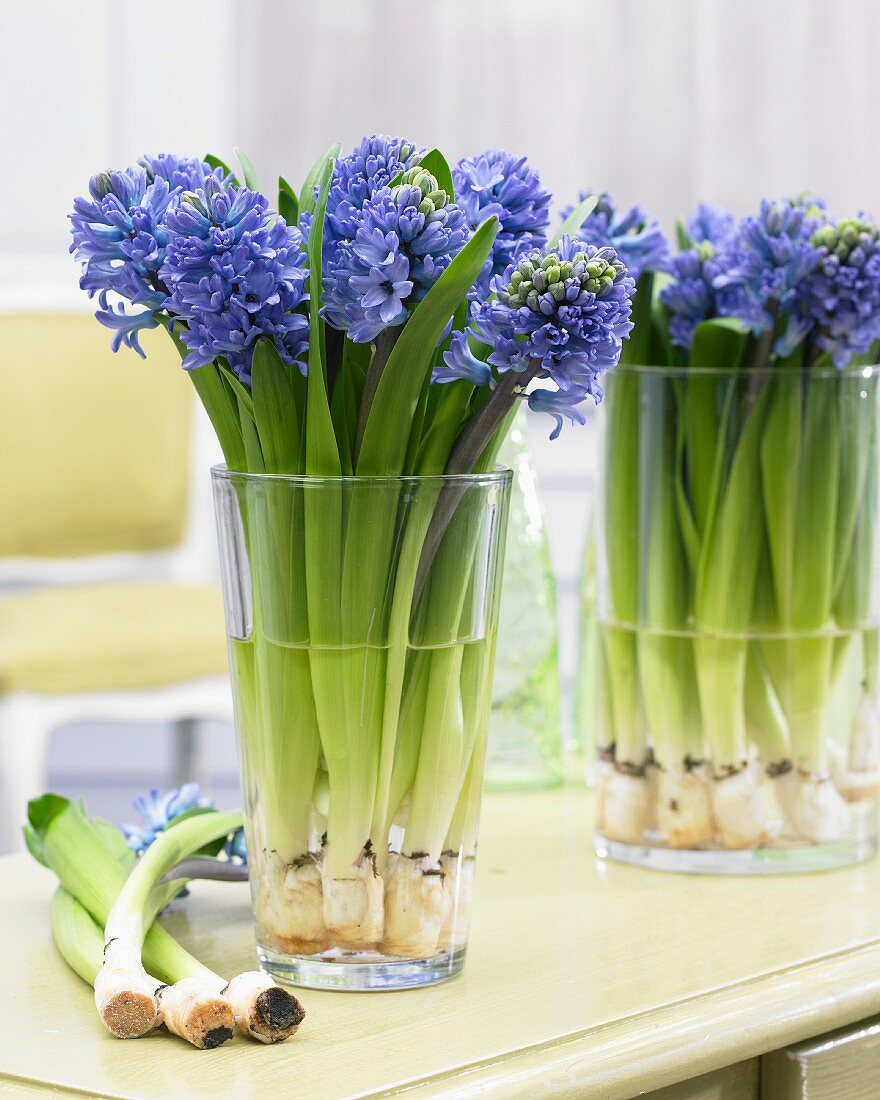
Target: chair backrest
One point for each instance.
(94, 446)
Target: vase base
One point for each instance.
(770, 860)
(362, 971)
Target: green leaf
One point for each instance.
(732, 543)
(682, 236)
(250, 176)
(213, 847)
(780, 461)
(275, 412)
(343, 410)
(817, 496)
(241, 391)
(114, 841)
(41, 813)
(322, 452)
(635, 348)
(717, 344)
(288, 203)
(386, 437)
(575, 219)
(435, 163)
(307, 200)
(216, 162)
(219, 404)
(690, 534)
(449, 413)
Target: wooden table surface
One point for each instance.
(583, 979)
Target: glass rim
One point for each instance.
(871, 371)
(500, 476)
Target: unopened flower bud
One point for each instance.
(101, 185)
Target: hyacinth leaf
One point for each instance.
(322, 453)
(216, 162)
(815, 528)
(732, 543)
(858, 397)
(635, 349)
(780, 462)
(445, 425)
(661, 583)
(690, 533)
(765, 718)
(220, 405)
(682, 237)
(75, 848)
(242, 393)
(621, 460)
(288, 203)
(575, 220)
(386, 436)
(251, 180)
(343, 412)
(435, 163)
(717, 344)
(307, 198)
(253, 452)
(661, 352)
(853, 591)
(275, 409)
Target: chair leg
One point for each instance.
(24, 745)
(185, 768)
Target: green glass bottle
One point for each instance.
(525, 743)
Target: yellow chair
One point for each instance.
(95, 622)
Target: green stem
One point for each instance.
(385, 342)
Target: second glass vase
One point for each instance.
(738, 619)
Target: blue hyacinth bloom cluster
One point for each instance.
(710, 223)
(158, 809)
(403, 238)
(371, 165)
(692, 296)
(497, 183)
(766, 261)
(235, 271)
(563, 314)
(636, 238)
(120, 236)
(839, 302)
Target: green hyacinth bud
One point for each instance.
(528, 282)
(433, 196)
(102, 185)
(192, 198)
(840, 240)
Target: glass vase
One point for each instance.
(362, 617)
(738, 619)
(525, 740)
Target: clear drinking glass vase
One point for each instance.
(738, 619)
(362, 617)
(525, 741)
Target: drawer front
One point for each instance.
(842, 1065)
(738, 1082)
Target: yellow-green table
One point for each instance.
(583, 980)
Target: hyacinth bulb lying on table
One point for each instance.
(361, 349)
(737, 582)
(113, 884)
